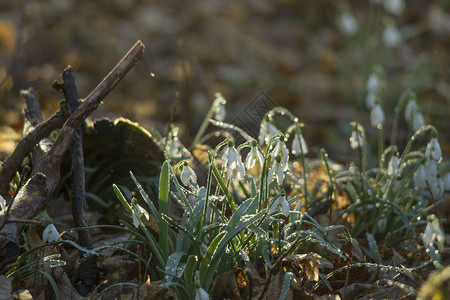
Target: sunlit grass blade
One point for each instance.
(164, 188)
(122, 199)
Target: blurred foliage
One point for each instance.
(292, 50)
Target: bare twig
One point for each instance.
(33, 196)
(76, 151)
(29, 141)
(88, 267)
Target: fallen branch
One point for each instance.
(33, 134)
(46, 174)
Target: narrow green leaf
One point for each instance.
(164, 188)
(286, 285)
(122, 199)
(147, 199)
(208, 256)
(52, 283)
(220, 250)
(189, 270)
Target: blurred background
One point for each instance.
(312, 57)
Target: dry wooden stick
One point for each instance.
(76, 151)
(87, 271)
(45, 176)
(33, 134)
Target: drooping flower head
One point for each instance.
(276, 171)
(347, 24)
(231, 159)
(279, 148)
(253, 156)
(299, 145)
(376, 116)
(267, 131)
(50, 234)
(188, 175)
(391, 35)
(219, 110)
(393, 166)
(138, 212)
(280, 203)
(433, 150)
(356, 139)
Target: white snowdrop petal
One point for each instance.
(185, 176)
(410, 110)
(50, 234)
(2, 203)
(395, 7)
(304, 145)
(285, 207)
(373, 84)
(433, 150)
(391, 36)
(280, 173)
(296, 145)
(418, 121)
(370, 100)
(201, 294)
(376, 116)
(347, 24)
(420, 177)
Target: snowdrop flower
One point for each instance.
(281, 149)
(381, 224)
(374, 83)
(231, 159)
(50, 234)
(219, 111)
(433, 232)
(431, 170)
(347, 24)
(2, 203)
(420, 177)
(282, 203)
(433, 150)
(173, 145)
(418, 121)
(393, 167)
(437, 187)
(370, 100)
(391, 36)
(356, 140)
(410, 110)
(188, 175)
(253, 156)
(376, 116)
(138, 213)
(276, 170)
(297, 142)
(201, 294)
(267, 131)
(395, 7)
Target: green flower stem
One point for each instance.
(208, 188)
(302, 158)
(223, 186)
